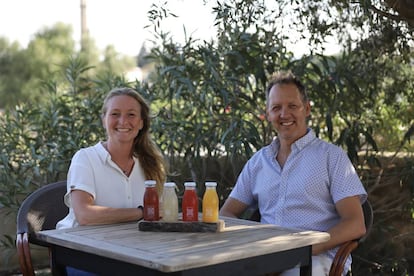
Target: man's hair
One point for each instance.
(286, 77)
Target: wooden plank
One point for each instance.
(181, 226)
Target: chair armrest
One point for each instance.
(342, 254)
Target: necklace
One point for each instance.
(129, 169)
(129, 165)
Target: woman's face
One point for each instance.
(122, 120)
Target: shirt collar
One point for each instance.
(103, 154)
(298, 145)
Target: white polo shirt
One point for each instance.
(93, 171)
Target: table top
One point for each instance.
(176, 251)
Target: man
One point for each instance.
(299, 180)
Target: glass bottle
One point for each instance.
(169, 203)
(151, 201)
(210, 203)
(190, 202)
(160, 204)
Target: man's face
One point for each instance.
(287, 112)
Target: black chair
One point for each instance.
(346, 248)
(41, 210)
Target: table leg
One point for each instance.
(307, 269)
(56, 268)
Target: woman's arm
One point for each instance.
(87, 213)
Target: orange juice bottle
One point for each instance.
(210, 203)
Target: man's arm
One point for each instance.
(232, 208)
(351, 225)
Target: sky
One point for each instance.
(119, 23)
(114, 22)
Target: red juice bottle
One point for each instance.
(151, 203)
(190, 202)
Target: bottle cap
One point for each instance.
(211, 184)
(169, 184)
(150, 183)
(189, 184)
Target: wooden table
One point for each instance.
(243, 248)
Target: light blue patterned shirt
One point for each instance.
(302, 195)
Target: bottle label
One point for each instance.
(209, 212)
(151, 211)
(190, 213)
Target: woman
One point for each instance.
(106, 182)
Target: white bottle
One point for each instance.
(170, 203)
